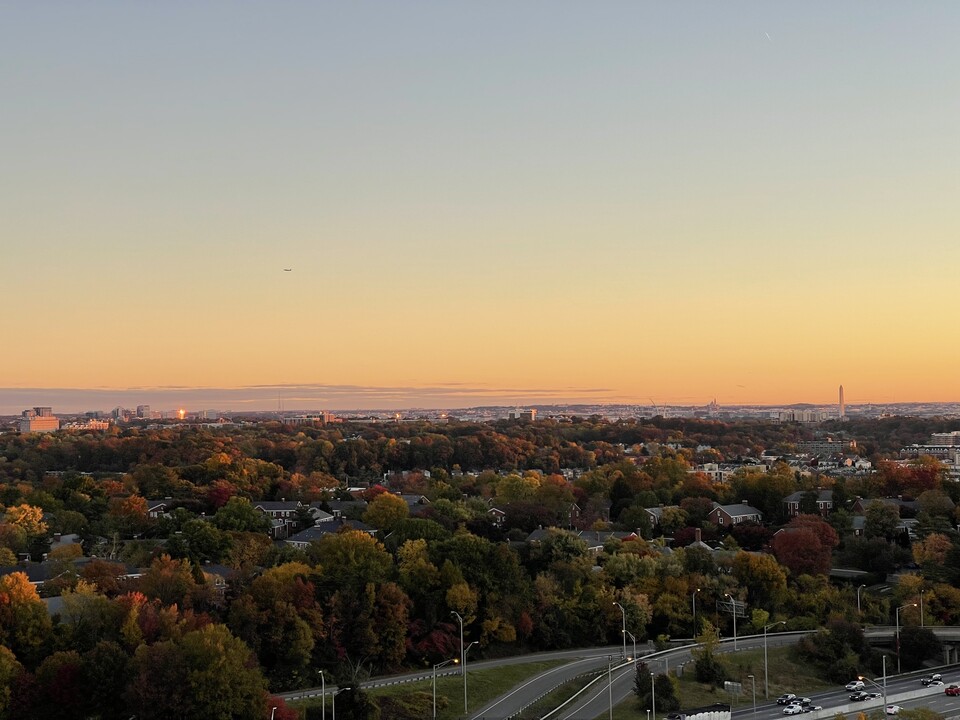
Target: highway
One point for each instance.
(593, 702)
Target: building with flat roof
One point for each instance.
(39, 419)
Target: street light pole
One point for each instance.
(439, 665)
(623, 631)
(897, 636)
(753, 682)
(859, 611)
(323, 695)
(463, 659)
(921, 608)
(465, 651)
(874, 682)
(766, 682)
(273, 712)
(653, 695)
(693, 598)
(460, 620)
(733, 606)
(634, 639)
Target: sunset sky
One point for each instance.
(492, 201)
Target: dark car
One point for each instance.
(931, 679)
(860, 696)
(786, 699)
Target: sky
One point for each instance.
(606, 202)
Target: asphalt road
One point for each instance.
(593, 703)
(596, 702)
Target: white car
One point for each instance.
(893, 709)
(855, 685)
(793, 709)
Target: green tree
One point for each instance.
(708, 664)
(238, 514)
(25, 625)
(881, 520)
(208, 673)
(386, 511)
(106, 671)
(169, 581)
(10, 670)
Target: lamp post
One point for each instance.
(753, 682)
(733, 609)
(323, 695)
(439, 665)
(273, 712)
(333, 698)
(653, 695)
(465, 651)
(921, 608)
(693, 599)
(897, 636)
(459, 620)
(623, 631)
(858, 598)
(463, 665)
(874, 682)
(766, 683)
(634, 639)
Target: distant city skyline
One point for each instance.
(327, 397)
(435, 203)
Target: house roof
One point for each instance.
(330, 527)
(822, 496)
(737, 509)
(277, 505)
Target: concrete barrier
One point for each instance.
(875, 703)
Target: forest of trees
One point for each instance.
(140, 615)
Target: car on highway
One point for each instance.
(854, 685)
(931, 679)
(860, 696)
(793, 709)
(892, 709)
(951, 690)
(786, 699)
(811, 708)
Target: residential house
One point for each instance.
(727, 515)
(282, 514)
(303, 538)
(824, 501)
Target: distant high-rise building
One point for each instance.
(40, 419)
(143, 411)
(843, 409)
